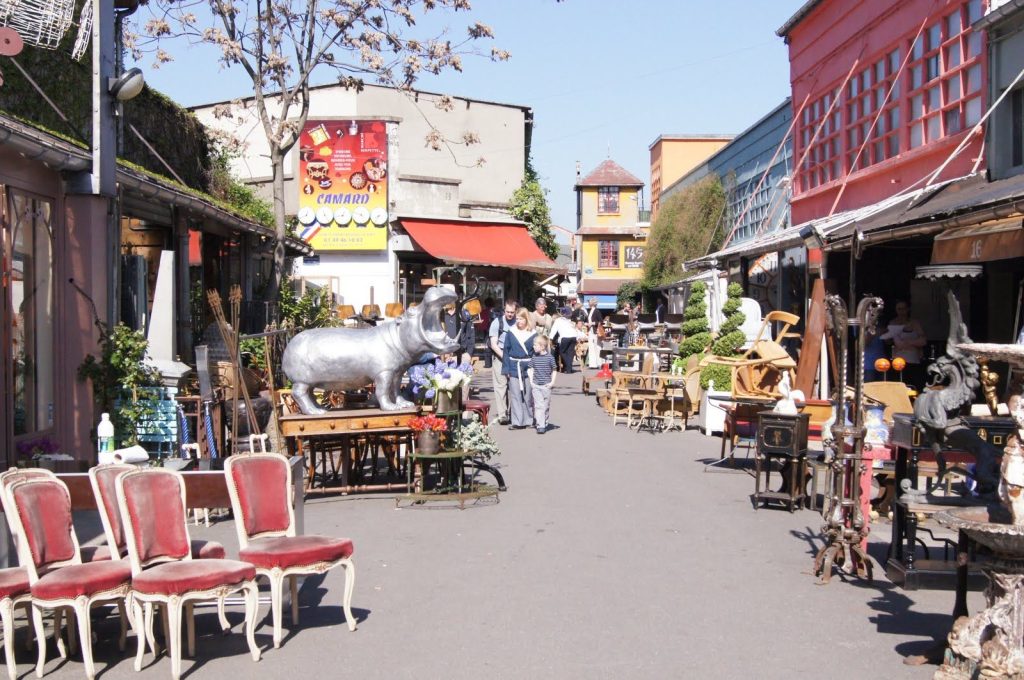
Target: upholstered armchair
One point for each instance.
(48, 549)
(260, 486)
(152, 506)
(103, 479)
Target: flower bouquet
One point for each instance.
(428, 431)
(439, 380)
(428, 423)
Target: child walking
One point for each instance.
(542, 379)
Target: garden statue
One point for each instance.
(351, 358)
(937, 410)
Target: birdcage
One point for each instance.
(42, 23)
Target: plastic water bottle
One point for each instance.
(105, 434)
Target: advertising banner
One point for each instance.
(343, 185)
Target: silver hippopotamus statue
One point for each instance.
(352, 358)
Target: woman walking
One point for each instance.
(515, 366)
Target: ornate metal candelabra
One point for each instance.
(844, 527)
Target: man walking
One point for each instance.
(496, 343)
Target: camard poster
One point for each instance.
(343, 186)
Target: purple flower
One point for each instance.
(430, 393)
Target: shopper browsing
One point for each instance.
(542, 379)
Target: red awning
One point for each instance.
(480, 243)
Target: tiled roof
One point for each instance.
(610, 174)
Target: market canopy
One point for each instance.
(491, 244)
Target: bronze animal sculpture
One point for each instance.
(351, 358)
(937, 410)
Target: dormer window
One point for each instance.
(607, 200)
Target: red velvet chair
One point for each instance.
(14, 592)
(48, 549)
(152, 506)
(90, 553)
(103, 479)
(260, 486)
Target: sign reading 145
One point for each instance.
(634, 257)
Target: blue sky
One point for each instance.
(603, 78)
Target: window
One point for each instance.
(821, 163)
(608, 254)
(937, 94)
(608, 201)
(31, 299)
(948, 97)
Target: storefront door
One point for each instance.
(27, 352)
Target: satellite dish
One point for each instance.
(11, 43)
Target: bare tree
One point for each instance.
(280, 43)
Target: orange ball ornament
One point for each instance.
(899, 363)
(882, 365)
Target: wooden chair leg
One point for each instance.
(7, 617)
(350, 584)
(173, 619)
(37, 624)
(276, 594)
(251, 604)
(294, 584)
(85, 637)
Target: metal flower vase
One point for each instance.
(428, 442)
(448, 402)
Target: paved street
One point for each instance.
(611, 555)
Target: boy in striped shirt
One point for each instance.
(542, 378)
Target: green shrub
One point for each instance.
(720, 374)
(728, 345)
(695, 344)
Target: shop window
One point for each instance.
(30, 275)
(608, 255)
(608, 201)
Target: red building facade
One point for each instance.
(883, 92)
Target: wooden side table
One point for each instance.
(783, 438)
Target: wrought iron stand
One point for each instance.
(845, 528)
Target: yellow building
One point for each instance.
(612, 239)
(672, 156)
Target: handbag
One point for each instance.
(600, 331)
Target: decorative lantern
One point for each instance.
(899, 363)
(882, 365)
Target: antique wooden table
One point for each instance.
(352, 430)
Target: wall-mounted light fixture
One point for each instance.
(126, 86)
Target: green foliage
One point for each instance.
(728, 342)
(173, 131)
(695, 329)
(630, 292)
(474, 436)
(694, 344)
(312, 310)
(241, 197)
(529, 204)
(255, 348)
(721, 375)
(119, 378)
(686, 226)
(728, 345)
